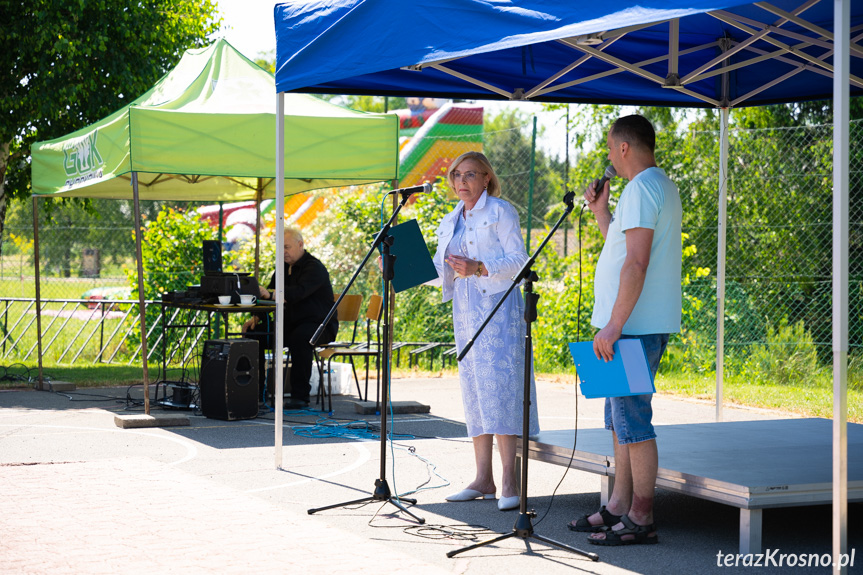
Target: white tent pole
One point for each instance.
(720, 257)
(141, 309)
(841, 127)
(280, 272)
(258, 197)
(40, 385)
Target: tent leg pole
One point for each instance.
(258, 227)
(141, 304)
(841, 129)
(41, 383)
(720, 258)
(279, 296)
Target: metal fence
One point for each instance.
(779, 238)
(778, 310)
(74, 331)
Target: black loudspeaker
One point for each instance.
(212, 257)
(229, 379)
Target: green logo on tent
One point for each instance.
(82, 160)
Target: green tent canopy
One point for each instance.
(205, 131)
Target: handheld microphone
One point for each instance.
(610, 172)
(425, 188)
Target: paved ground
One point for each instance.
(80, 495)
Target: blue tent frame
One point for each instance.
(663, 53)
(694, 53)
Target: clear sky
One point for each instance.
(249, 27)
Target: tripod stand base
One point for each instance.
(382, 493)
(524, 528)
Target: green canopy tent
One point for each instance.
(204, 131)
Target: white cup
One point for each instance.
(224, 299)
(248, 299)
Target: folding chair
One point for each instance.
(347, 312)
(370, 348)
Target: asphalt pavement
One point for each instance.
(81, 495)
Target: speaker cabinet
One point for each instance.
(212, 256)
(229, 379)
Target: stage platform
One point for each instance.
(752, 465)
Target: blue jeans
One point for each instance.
(630, 417)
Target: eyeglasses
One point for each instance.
(465, 176)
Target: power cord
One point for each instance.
(431, 469)
(326, 427)
(73, 395)
(27, 377)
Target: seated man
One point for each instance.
(308, 299)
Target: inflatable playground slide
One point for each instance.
(432, 133)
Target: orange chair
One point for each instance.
(368, 349)
(347, 312)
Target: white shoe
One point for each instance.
(507, 503)
(469, 495)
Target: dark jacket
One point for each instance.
(308, 295)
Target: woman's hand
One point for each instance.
(264, 293)
(465, 267)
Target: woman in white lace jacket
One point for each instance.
(480, 248)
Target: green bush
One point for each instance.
(341, 238)
(242, 257)
(342, 234)
(855, 371)
(171, 252)
(689, 351)
(789, 356)
(560, 310)
(172, 259)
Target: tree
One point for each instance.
(507, 144)
(67, 227)
(171, 258)
(376, 104)
(70, 64)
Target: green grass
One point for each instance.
(53, 287)
(814, 400)
(806, 400)
(103, 375)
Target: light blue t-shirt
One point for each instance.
(649, 200)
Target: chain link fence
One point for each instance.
(80, 253)
(778, 308)
(779, 242)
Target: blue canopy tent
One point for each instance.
(688, 53)
(665, 53)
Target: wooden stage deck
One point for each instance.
(752, 465)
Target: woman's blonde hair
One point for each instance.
(493, 187)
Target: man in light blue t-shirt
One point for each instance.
(637, 295)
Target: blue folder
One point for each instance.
(628, 373)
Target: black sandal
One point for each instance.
(641, 534)
(583, 525)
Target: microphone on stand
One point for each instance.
(425, 188)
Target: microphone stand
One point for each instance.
(524, 525)
(382, 489)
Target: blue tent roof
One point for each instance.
(544, 50)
